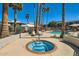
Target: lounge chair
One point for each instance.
(33, 33)
(74, 34)
(39, 33)
(55, 36)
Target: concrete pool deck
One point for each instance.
(17, 47)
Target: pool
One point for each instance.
(40, 46)
(56, 32)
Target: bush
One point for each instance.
(19, 29)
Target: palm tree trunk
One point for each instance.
(42, 20)
(63, 21)
(40, 14)
(14, 20)
(37, 19)
(35, 16)
(46, 22)
(5, 29)
(41, 17)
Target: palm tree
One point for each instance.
(37, 18)
(41, 5)
(27, 17)
(39, 13)
(45, 11)
(15, 6)
(5, 29)
(63, 20)
(35, 15)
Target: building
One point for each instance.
(11, 25)
(67, 23)
(72, 22)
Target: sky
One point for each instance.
(54, 14)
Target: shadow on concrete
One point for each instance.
(74, 47)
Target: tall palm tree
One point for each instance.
(34, 15)
(63, 20)
(37, 18)
(5, 29)
(42, 15)
(46, 10)
(39, 13)
(41, 5)
(27, 17)
(15, 6)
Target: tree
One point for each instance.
(63, 20)
(5, 29)
(15, 6)
(40, 11)
(42, 6)
(52, 24)
(27, 17)
(45, 11)
(37, 18)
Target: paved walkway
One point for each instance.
(17, 47)
(7, 40)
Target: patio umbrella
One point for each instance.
(30, 25)
(74, 25)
